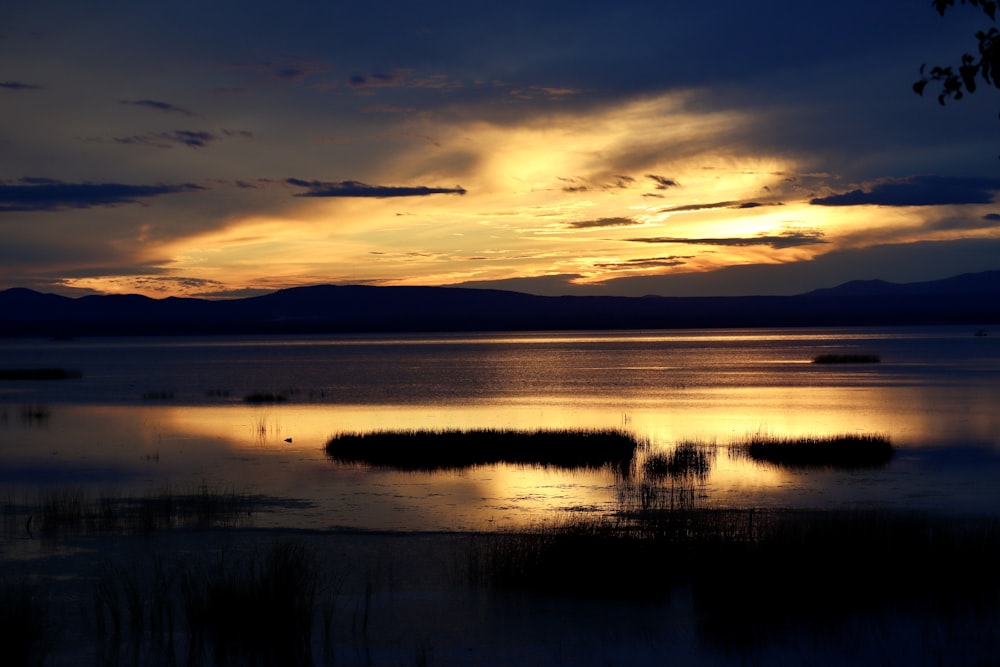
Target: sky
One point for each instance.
(228, 149)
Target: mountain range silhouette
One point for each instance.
(972, 299)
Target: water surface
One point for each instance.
(150, 412)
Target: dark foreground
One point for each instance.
(692, 587)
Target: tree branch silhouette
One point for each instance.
(956, 82)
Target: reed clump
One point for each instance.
(687, 459)
(845, 451)
(452, 449)
(847, 359)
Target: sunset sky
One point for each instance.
(225, 149)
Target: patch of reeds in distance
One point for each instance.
(430, 450)
(158, 395)
(39, 374)
(845, 451)
(72, 511)
(29, 414)
(847, 359)
(264, 397)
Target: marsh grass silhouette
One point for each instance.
(252, 608)
(71, 511)
(687, 459)
(810, 568)
(844, 451)
(437, 450)
(258, 609)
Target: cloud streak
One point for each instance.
(359, 189)
(45, 194)
(603, 223)
(19, 85)
(685, 208)
(918, 191)
(645, 263)
(779, 241)
(662, 182)
(158, 106)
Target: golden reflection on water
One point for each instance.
(278, 450)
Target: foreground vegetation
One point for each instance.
(811, 567)
(436, 450)
(287, 601)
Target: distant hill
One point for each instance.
(985, 283)
(972, 299)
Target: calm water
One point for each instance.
(155, 412)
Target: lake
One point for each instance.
(154, 413)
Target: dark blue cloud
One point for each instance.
(358, 189)
(157, 105)
(18, 85)
(46, 194)
(377, 80)
(918, 191)
(189, 138)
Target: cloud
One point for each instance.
(157, 105)
(18, 85)
(783, 240)
(603, 222)
(620, 182)
(45, 194)
(918, 191)
(358, 189)
(645, 263)
(713, 205)
(988, 221)
(905, 262)
(240, 134)
(189, 138)
(662, 182)
(377, 80)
